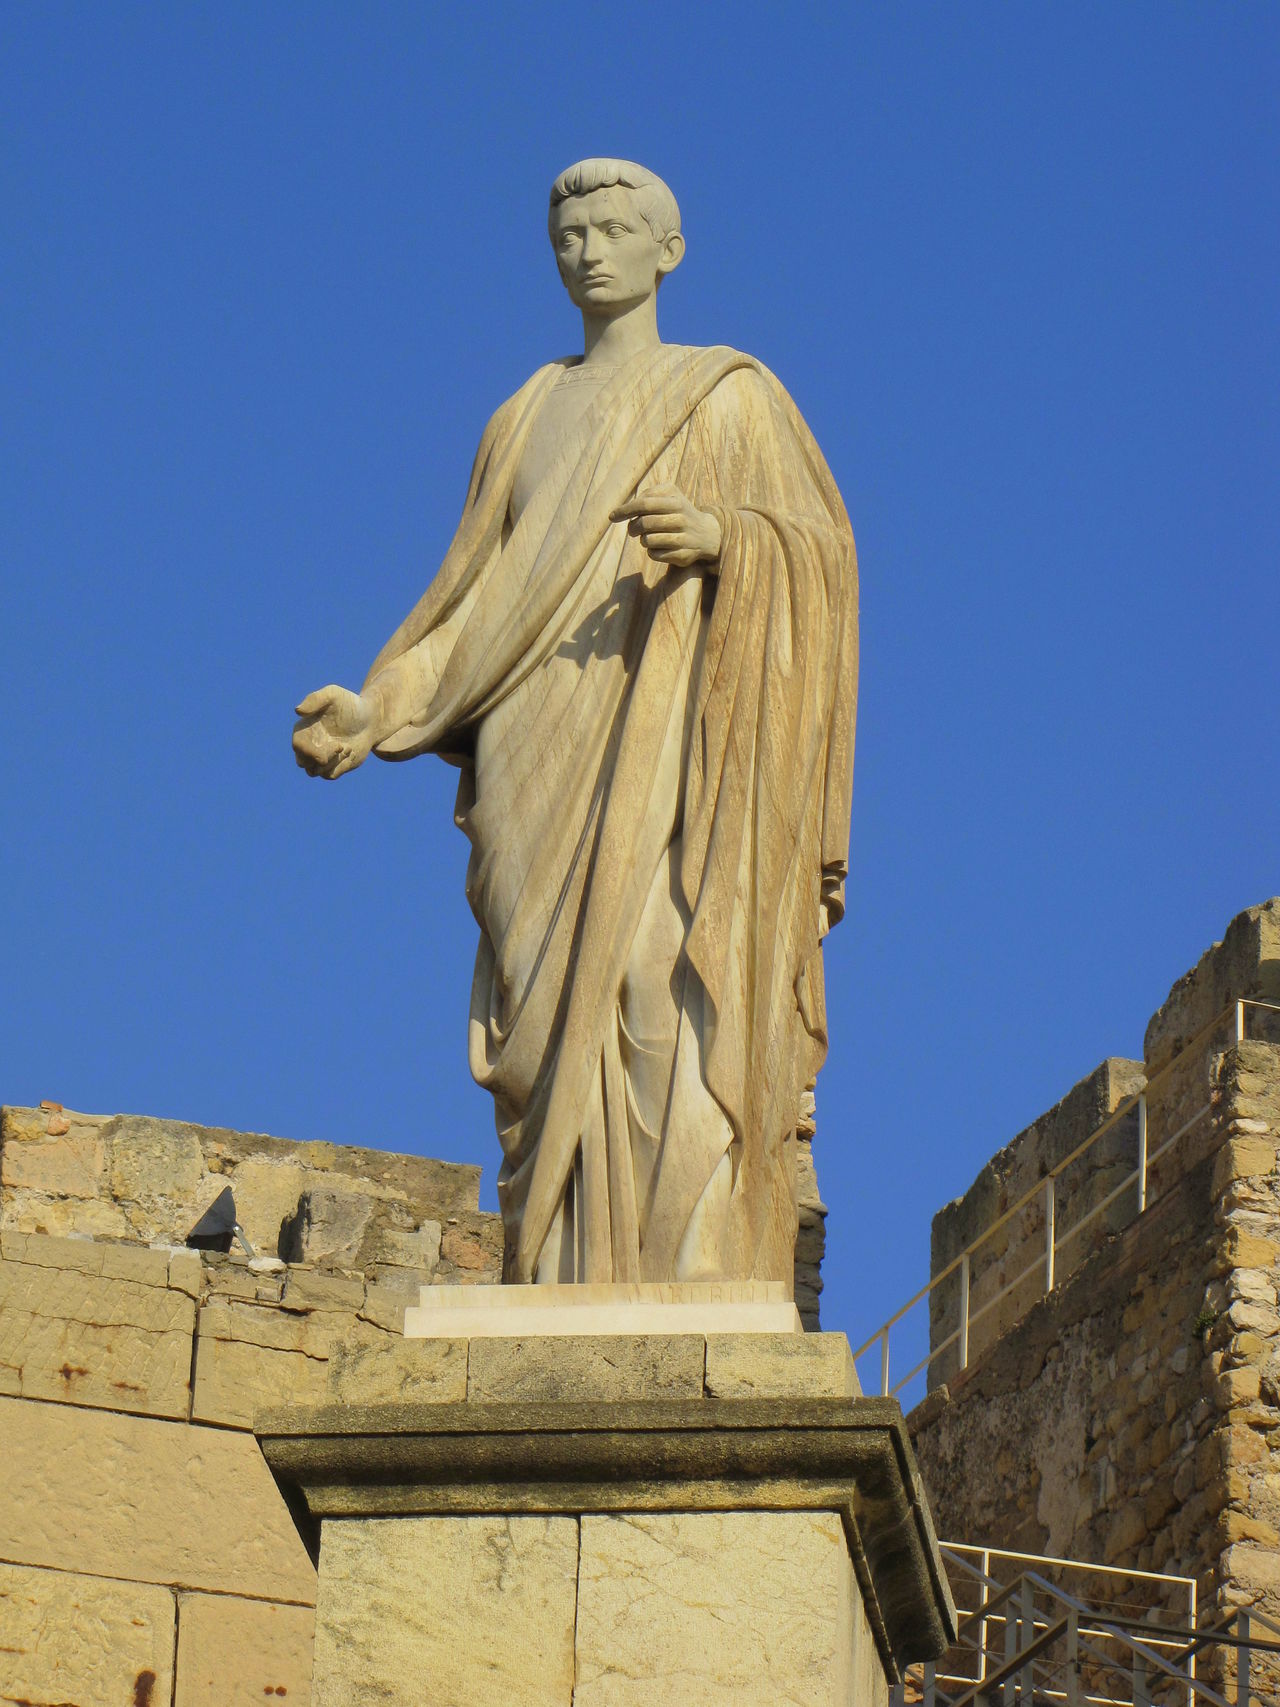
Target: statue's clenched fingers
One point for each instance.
(662, 521)
(660, 500)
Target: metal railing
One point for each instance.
(1045, 1193)
(1114, 1591)
(1029, 1642)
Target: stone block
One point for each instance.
(186, 1272)
(115, 1262)
(606, 1367)
(249, 1355)
(156, 1161)
(395, 1371)
(592, 1310)
(85, 1338)
(35, 1156)
(317, 1289)
(472, 1243)
(235, 1378)
(1237, 1386)
(328, 1226)
(780, 1366)
(464, 1611)
(98, 1491)
(243, 1653)
(78, 1217)
(418, 1248)
(67, 1638)
(1249, 1250)
(728, 1609)
(389, 1294)
(1253, 1567)
(1242, 1158)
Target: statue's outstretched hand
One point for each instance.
(334, 732)
(672, 529)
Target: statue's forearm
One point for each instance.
(394, 694)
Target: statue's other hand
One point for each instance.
(334, 732)
(672, 528)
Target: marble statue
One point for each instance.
(641, 651)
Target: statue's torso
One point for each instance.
(560, 427)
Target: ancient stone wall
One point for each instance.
(997, 1298)
(146, 1556)
(1133, 1417)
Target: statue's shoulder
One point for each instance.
(739, 381)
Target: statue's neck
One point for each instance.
(609, 342)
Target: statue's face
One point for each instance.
(608, 257)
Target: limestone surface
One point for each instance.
(458, 1611)
(243, 1653)
(67, 1638)
(726, 1609)
(778, 1366)
(74, 1333)
(399, 1371)
(108, 1494)
(132, 1177)
(605, 1367)
(587, 1308)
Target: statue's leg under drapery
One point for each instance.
(674, 1121)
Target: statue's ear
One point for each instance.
(672, 253)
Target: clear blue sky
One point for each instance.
(270, 269)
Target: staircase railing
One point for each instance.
(1044, 1194)
(1029, 1642)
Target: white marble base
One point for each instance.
(663, 1307)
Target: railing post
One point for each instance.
(1243, 1625)
(1027, 1635)
(1142, 1152)
(1074, 1697)
(985, 1591)
(1050, 1232)
(964, 1311)
(1193, 1609)
(1239, 1022)
(884, 1364)
(1141, 1685)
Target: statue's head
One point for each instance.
(615, 229)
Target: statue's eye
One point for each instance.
(615, 230)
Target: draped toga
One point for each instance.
(656, 777)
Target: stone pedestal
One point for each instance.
(673, 1521)
(658, 1307)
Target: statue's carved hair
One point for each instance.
(656, 203)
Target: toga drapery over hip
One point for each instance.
(632, 738)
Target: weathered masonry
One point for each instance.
(142, 1538)
(1131, 1416)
